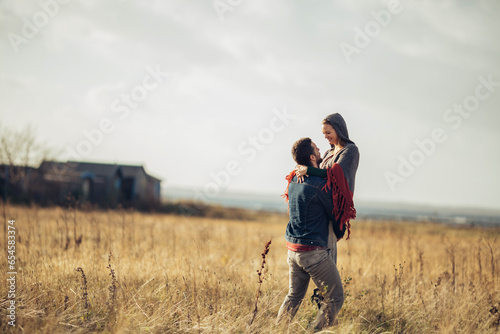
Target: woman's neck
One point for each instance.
(337, 148)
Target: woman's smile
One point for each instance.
(330, 134)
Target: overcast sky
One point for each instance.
(202, 92)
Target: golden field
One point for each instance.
(86, 271)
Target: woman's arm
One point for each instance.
(316, 172)
(302, 171)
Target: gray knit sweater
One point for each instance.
(347, 158)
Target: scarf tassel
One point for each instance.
(289, 178)
(343, 205)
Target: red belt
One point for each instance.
(302, 248)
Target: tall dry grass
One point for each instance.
(127, 272)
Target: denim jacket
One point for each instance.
(311, 210)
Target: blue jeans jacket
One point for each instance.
(311, 210)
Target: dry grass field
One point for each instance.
(129, 272)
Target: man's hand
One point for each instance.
(300, 172)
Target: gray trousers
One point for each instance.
(332, 242)
(319, 266)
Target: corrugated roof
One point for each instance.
(98, 169)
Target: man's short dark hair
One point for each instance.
(302, 150)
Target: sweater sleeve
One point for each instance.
(313, 171)
(349, 160)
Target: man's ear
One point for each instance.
(312, 157)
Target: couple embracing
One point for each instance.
(320, 203)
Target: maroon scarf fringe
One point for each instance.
(342, 197)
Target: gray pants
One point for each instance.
(332, 242)
(320, 267)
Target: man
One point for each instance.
(310, 210)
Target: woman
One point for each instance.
(344, 154)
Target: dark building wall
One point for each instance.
(105, 185)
